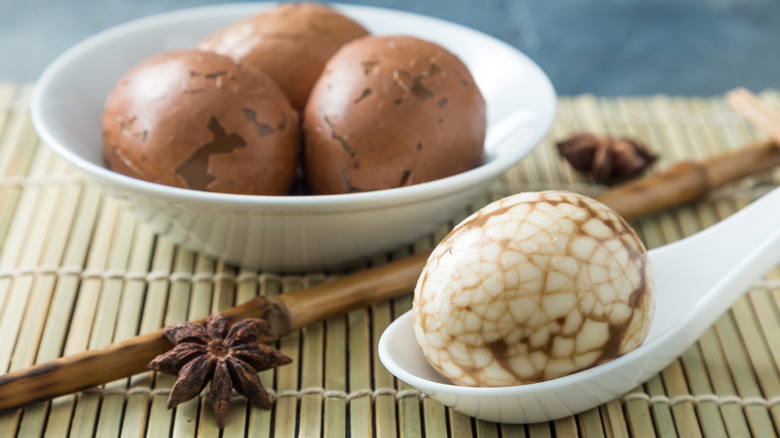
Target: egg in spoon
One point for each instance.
(533, 287)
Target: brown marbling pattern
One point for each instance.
(533, 287)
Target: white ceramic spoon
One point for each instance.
(697, 280)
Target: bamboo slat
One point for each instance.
(78, 271)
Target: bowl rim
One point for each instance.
(399, 195)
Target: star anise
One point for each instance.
(608, 160)
(230, 359)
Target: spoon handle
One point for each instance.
(746, 235)
(707, 272)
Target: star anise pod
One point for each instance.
(608, 160)
(230, 359)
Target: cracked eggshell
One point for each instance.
(201, 121)
(391, 111)
(533, 287)
(291, 43)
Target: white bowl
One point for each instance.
(288, 233)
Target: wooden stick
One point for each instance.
(688, 181)
(355, 291)
(682, 183)
(285, 313)
(755, 111)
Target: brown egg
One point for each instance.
(201, 121)
(391, 111)
(291, 43)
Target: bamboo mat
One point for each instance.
(77, 271)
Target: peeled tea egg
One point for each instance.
(533, 287)
(290, 42)
(201, 121)
(391, 111)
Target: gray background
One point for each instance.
(605, 47)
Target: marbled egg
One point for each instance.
(533, 287)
